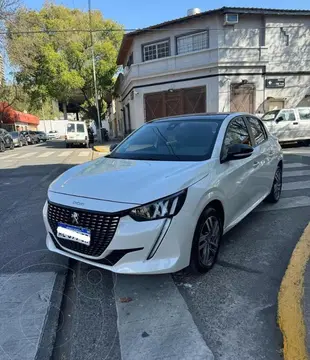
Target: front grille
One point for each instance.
(102, 228)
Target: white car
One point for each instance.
(289, 125)
(164, 197)
(53, 134)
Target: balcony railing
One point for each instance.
(195, 60)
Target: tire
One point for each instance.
(20, 144)
(2, 147)
(276, 189)
(12, 146)
(204, 253)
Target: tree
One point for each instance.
(52, 50)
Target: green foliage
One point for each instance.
(54, 61)
(15, 96)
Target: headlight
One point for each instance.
(160, 209)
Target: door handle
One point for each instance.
(295, 123)
(255, 164)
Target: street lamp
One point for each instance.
(94, 71)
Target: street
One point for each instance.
(53, 307)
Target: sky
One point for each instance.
(142, 13)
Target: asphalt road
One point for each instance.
(231, 310)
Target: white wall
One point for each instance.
(58, 125)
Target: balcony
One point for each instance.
(207, 58)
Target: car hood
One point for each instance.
(129, 181)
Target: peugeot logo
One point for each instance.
(75, 217)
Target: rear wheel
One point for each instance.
(2, 147)
(276, 189)
(206, 242)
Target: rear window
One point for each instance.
(304, 114)
(80, 128)
(14, 133)
(71, 128)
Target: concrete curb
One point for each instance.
(101, 148)
(290, 299)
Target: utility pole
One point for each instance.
(94, 72)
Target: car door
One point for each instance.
(304, 123)
(236, 177)
(286, 125)
(7, 138)
(264, 163)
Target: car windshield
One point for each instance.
(14, 134)
(80, 128)
(24, 132)
(71, 128)
(171, 140)
(270, 115)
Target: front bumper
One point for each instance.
(150, 247)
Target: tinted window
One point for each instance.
(80, 128)
(270, 115)
(14, 134)
(287, 115)
(171, 140)
(257, 130)
(304, 114)
(71, 128)
(237, 133)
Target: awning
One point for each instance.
(10, 116)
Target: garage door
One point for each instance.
(176, 102)
(242, 98)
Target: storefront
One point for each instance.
(13, 120)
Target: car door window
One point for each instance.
(258, 130)
(304, 114)
(287, 115)
(237, 133)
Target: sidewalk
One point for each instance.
(102, 149)
(294, 302)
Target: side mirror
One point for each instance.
(113, 146)
(280, 118)
(238, 152)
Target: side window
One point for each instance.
(287, 115)
(237, 133)
(258, 130)
(304, 114)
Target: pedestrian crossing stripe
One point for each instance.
(84, 153)
(65, 153)
(46, 154)
(294, 165)
(296, 173)
(24, 156)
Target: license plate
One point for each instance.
(73, 233)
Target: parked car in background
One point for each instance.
(289, 125)
(41, 135)
(53, 134)
(164, 196)
(31, 136)
(18, 138)
(6, 140)
(77, 134)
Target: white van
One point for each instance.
(289, 125)
(76, 133)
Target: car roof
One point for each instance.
(202, 116)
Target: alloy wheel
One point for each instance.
(209, 240)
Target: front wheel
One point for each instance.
(12, 146)
(2, 147)
(206, 242)
(276, 189)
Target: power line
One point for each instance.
(51, 31)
